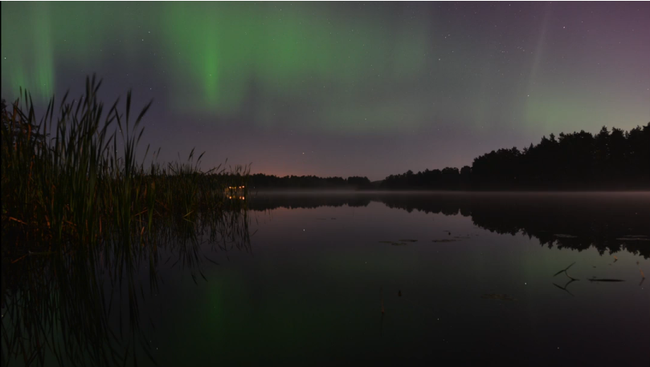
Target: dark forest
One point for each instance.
(610, 160)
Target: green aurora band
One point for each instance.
(328, 67)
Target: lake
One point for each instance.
(371, 278)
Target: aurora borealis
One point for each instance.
(342, 89)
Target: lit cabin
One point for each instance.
(235, 192)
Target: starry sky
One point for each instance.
(341, 89)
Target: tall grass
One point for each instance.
(72, 179)
(82, 216)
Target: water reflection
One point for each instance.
(610, 222)
(85, 308)
(469, 297)
(325, 272)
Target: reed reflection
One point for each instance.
(84, 307)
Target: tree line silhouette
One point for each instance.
(612, 159)
(261, 180)
(608, 160)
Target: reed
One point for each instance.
(72, 180)
(82, 215)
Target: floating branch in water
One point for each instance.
(561, 235)
(394, 243)
(605, 280)
(633, 238)
(565, 272)
(409, 240)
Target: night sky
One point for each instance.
(341, 89)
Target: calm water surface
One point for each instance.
(461, 278)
